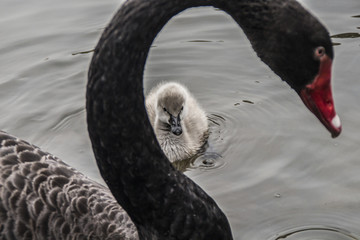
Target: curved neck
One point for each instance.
(161, 201)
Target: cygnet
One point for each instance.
(179, 123)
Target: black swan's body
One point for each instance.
(43, 198)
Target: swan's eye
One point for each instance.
(165, 109)
(319, 52)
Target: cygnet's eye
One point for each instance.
(182, 108)
(319, 52)
(165, 109)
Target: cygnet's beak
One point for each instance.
(175, 125)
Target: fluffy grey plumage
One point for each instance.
(173, 99)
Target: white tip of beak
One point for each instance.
(336, 121)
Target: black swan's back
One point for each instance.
(41, 197)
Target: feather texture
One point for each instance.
(178, 101)
(41, 197)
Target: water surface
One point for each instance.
(278, 174)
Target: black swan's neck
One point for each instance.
(162, 202)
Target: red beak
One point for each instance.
(317, 96)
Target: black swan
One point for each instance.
(179, 123)
(43, 198)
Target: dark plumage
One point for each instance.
(43, 198)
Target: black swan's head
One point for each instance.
(297, 47)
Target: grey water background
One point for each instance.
(278, 173)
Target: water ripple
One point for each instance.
(315, 232)
(210, 156)
(208, 161)
(315, 224)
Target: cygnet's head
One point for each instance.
(171, 102)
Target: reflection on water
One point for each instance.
(269, 164)
(346, 35)
(83, 52)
